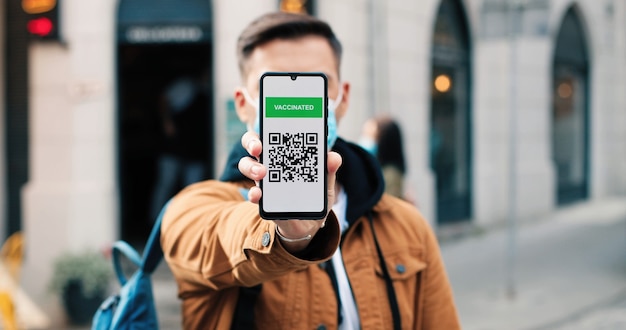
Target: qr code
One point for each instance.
(293, 157)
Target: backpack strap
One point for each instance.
(391, 293)
(153, 253)
(121, 247)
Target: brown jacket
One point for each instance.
(214, 242)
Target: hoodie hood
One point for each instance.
(231, 171)
(359, 175)
(361, 178)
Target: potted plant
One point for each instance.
(82, 281)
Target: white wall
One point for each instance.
(535, 179)
(410, 30)
(70, 201)
(496, 79)
(490, 130)
(618, 171)
(349, 20)
(609, 118)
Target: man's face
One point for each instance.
(306, 54)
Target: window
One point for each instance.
(570, 115)
(450, 138)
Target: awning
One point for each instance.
(164, 21)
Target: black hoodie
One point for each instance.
(359, 175)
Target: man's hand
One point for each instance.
(256, 171)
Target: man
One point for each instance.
(387, 273)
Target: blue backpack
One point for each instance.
(133, 307)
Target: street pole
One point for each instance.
(515, 9)
(372, 23)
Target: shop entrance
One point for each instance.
(164, 109)
(450, 131)
(570, 113)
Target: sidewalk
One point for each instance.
(609, 316)
(570, 272)
(165, 295)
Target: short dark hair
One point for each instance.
(390, 148)
(282, 25)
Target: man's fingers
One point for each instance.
(250, 141)
(334, 161)
(251, 168)
(254, 194)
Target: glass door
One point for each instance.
(450, 138)
(570, 114)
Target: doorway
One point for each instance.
(147, 74)
(570, 111)
(450, 129)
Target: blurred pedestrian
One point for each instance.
(382, 137)
(183, 109)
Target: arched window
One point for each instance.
(450, 138)
(570, 114)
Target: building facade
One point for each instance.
(502, 103)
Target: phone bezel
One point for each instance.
(296, 215)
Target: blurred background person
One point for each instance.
(382, 137)
(183, 110)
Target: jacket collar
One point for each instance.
(359, 175)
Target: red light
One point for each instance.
(40, 26)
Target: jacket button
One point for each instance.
(400, 268)
(321, 327)
(266, 239)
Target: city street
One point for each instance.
(111, 107)
(570, 273)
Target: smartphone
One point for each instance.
(293, 116)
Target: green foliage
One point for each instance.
(90, 268)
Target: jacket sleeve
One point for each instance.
(438, 304)
(213, 238)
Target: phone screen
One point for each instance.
(293, 132)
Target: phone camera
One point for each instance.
(294, 76)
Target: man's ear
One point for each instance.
(241, 106)
(342, 107)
